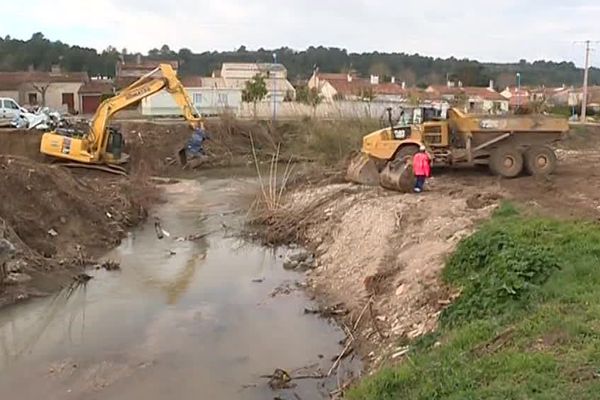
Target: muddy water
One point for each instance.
(181, 320)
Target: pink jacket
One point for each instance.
(422, 164)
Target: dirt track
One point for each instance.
(389, 247)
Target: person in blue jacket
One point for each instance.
(194, 147)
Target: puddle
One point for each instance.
(182, 319)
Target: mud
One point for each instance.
(383, 251)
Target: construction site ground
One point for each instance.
(380, 253)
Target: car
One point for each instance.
(9, 110)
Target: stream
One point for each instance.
(182, 319)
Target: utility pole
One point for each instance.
(586, 74)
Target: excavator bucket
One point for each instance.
(362, 169)
(397, 176)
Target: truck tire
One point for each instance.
(506, 161)
(398, 174)
(540, 160)
(405, 154)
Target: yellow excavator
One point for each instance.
(101, 147)
(508, 145)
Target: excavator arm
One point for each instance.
(92, 148)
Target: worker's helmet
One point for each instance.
(422, 147)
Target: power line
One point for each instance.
(586, 73)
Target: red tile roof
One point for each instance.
(192, 81)
(122, 82)
(389, 89)
(97, 87)
(14, 80)
(483, 92)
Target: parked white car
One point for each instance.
(9, 110)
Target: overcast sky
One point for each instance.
(486, 30)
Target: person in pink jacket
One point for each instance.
(421, 168)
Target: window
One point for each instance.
(10, 105)
(222, 98)
(197, 97)
(32, 97)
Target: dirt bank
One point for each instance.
(58, 221)
(387, 248)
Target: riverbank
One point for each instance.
(381, 255)
(58, 221)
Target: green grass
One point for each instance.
(527, 323)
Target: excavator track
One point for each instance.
(112, 169)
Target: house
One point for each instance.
(473, 99)
(279, 88)
(211, 96)
(390, 92)
(485, 100)
(55, 89)
(517, 97)
(334, 86)
(92, 93)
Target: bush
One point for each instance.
(499, 270)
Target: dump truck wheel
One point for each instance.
(506, 161)
(540, 160)
(405, 154)
(398, 174)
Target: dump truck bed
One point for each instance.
(505, 124)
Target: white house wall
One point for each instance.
(207, 100)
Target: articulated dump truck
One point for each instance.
(508, 145)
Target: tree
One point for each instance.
(255, 91)
(41, 88)
(311, 97)
(380, 69)
(408, 76)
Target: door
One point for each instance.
(3, 120)
(89, 103)
(69, 100)
(8, 111)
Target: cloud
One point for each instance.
(505, 30)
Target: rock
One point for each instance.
(15, 266)
(16, 278)
(52, 233)
(298, 259)
(288, 264)
(63, 220)
(7, 250)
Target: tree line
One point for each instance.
(42, 53)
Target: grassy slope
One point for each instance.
(526, 326)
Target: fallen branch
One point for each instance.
(361, 314)
(335, 364)
(374, 321)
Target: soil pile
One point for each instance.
(57, 220)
